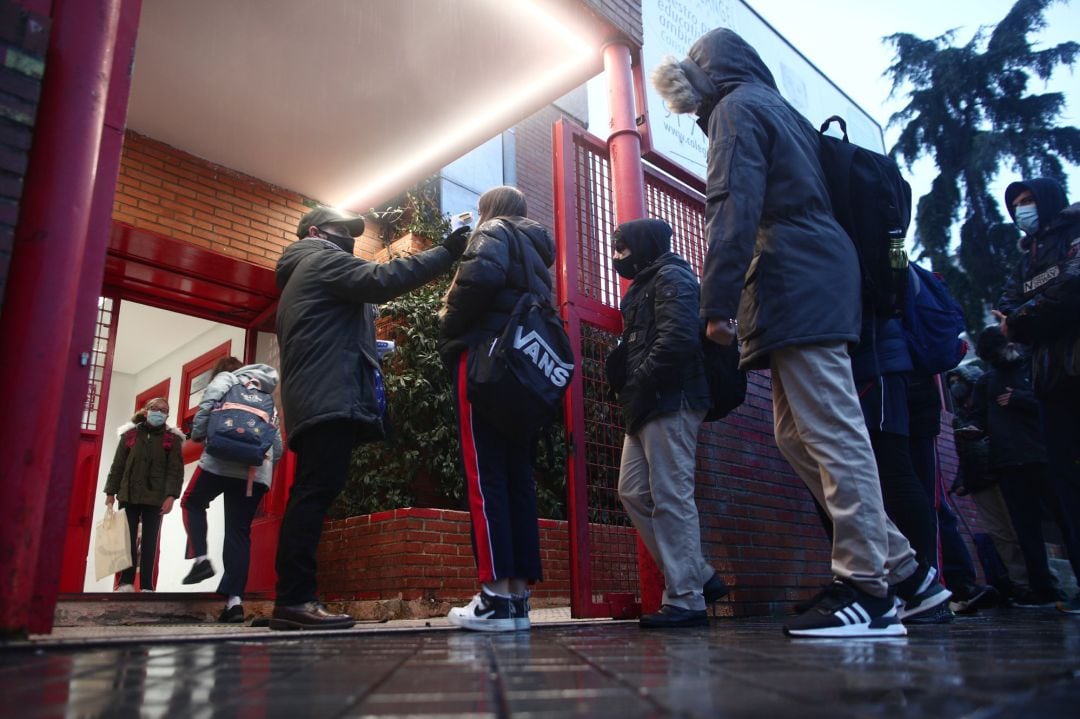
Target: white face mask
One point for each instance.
(1027, 219)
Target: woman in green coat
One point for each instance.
(147, 474)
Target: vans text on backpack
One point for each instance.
(872, 202)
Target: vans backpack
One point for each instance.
(517, 380)
(872, 202)
(932, 321)
(241, 428)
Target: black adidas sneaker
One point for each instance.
(841, 610)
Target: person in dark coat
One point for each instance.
(924, 404)
(331, 386)
(1040, 307)
(146, 475)
(1008, 411)
(658, 374)
(782, 273)
(975, 478)
(882, 368)
(507, 256)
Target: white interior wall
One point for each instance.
(199, 337)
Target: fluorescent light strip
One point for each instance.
(502, 108)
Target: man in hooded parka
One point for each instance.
(782, 275)
(658, 374)
(1040, 306)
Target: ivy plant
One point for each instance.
(421, 455)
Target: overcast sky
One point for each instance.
(843, 38)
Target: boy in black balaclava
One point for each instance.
(658, 374)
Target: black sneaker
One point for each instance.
(485, 613)
(520, 608)
(841, 610)
(199, 571)
(1030, 599)
(232, 615)
(920, 592)
(940, 614)
(715, 589)
(970, 599)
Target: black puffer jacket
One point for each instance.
(506, 257)
(776, 254)
(663, 362)
(1042, 298)
(1016, 435)
(326, 330)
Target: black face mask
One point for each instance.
(626, 266)
(345, 243)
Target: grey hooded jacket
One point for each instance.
(267, 377)
(777, 259)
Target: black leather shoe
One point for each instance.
(199, 571)
(671, 617)
(310, 615)
(232, 615)
(715, 589)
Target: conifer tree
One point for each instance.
(972, 109)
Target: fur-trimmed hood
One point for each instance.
(140, 419)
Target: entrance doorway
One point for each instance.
(168, 312)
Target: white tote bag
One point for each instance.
(112, 548)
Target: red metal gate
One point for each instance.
(603, 554)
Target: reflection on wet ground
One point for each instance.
(1009, 663)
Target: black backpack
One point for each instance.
(872, 202)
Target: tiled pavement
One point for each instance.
(1008, 663)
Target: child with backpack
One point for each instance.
(237, 424)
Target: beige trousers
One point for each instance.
(820, 430)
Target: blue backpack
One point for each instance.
(933, 322)
(241, 428)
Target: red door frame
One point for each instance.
(161, 389)
(84, 481)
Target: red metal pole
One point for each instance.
(92, 270)
(628, 185)
(39, 309)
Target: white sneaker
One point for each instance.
(124, 588)
(485, 613)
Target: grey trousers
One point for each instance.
(820, 431)
(995, 520)
(656, 486)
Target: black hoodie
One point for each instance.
(1042, 297)
(664, 366)
(777, 259)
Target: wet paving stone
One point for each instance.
(1008, 663)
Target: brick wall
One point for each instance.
(24, 37)
(426, 554)
(624, 15)
(172, 193)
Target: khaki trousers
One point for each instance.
(820, 431)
